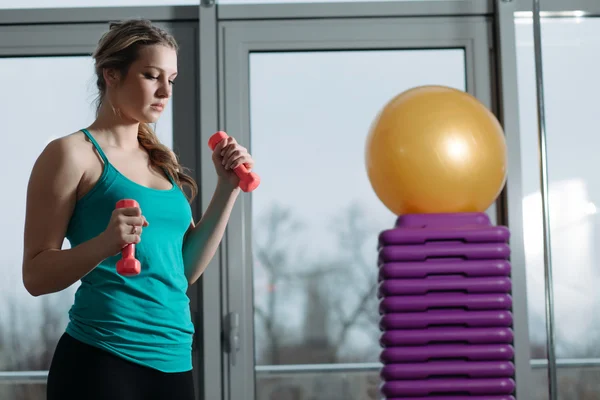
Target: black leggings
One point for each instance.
(79, 371)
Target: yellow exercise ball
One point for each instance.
(435, 149)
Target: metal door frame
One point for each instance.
(503, 98)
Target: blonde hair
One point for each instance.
(118, 49)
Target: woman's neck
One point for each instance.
(115, 130)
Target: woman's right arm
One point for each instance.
(51, 198)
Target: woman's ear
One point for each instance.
(111, 77)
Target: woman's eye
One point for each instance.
(151, 77)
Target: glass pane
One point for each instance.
(316, 218)
(40, 111)
(532, 206)
(570, 50)
(23, 391)
(316, 385)
(538, 390)
(579, 383)
(9, 4)
(576, 382)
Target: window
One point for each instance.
(316, 218)
(571, 51)
(45, 98)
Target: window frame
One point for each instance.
(238, 25)
(75, 32)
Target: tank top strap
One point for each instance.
(169, 177)
(96, 145)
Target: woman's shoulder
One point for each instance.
(70, 151)
(72, 147)
(70, 142)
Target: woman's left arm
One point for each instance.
(202, 239)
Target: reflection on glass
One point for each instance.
(570, 51)
(58, 99)
(316, 218)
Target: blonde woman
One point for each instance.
(129, 337)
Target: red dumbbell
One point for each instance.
(248, 180)
(128, 265)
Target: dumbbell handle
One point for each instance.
(248, 180)
(128, 265)
(128, 251)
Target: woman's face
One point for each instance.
(144, 92)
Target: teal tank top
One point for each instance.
(145, 318)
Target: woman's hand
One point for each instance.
(228, 155)
(125, 227)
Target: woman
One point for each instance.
(128, 337)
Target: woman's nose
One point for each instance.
(165, 91)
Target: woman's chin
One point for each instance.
(150, 118)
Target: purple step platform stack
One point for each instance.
(445, 309)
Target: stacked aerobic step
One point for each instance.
(445, 309)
